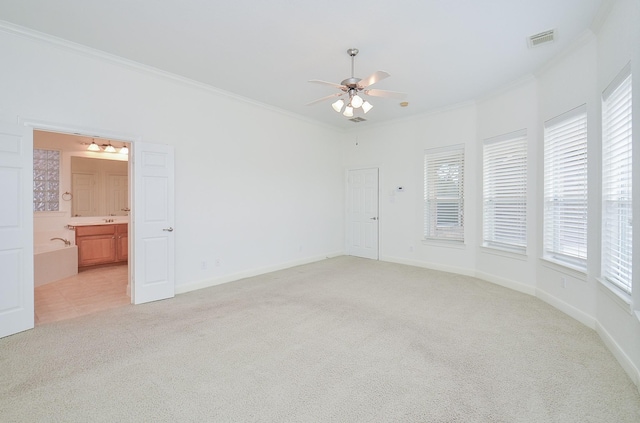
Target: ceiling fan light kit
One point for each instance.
(353, 87)
(348, 111)
(337, 106)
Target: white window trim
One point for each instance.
(619, 297)
(618, 290)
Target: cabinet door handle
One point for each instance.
(169, 229)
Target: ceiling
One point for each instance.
(439, 52)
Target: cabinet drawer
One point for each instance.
(95, 230)
(122, 228)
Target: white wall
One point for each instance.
(398, 150)
(570, 81)
(509, 110)
(619, 44)
(255, 188)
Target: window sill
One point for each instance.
(566, 268)
(622, 299)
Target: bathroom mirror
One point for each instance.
(99, 187)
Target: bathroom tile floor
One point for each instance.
(87, 292)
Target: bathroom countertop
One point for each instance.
(99, 223)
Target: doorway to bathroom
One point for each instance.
(151, 255)
(81, 195)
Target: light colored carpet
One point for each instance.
(344, 340)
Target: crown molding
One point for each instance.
(417, 117)
(583, 39)
(43, 38)
(602, 14)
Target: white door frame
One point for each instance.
(346, 228)
(36, 125)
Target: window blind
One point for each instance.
(565, 188)
(616, 182)
(505, 192)
(444, 193)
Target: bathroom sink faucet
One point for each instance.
(66, 241)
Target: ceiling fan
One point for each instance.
(353, 86)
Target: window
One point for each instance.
(616, 182)
(504, 192)
(444, 193)
(46, 180)
(565, 188)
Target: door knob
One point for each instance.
(373, 218)
(169, 229)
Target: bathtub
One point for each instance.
(53, 262)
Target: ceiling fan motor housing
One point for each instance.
(351, 82)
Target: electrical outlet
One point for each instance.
(217, 262)
(563, 281)
(411, 248)
(204, 265)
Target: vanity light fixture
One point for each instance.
(93, 146)
(107, 148)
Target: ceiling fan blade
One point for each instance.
(331, 84)
(385, 93)
(373, 78)
(324, 98)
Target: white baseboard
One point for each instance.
(507, 283)
(567, 309)
(619, 354)
(193, 286)
(433, 266)
(516, 286)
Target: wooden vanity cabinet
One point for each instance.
(102, 244)
(122, 242)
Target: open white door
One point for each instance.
(362, 213)
(16, 229)
(153, 221)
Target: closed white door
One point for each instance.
(16, 229)
(153, 222)
(362, 213)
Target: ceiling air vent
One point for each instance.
(542, 38)
(357, 119)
